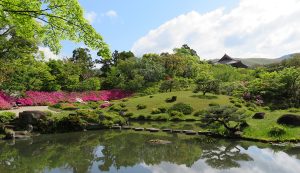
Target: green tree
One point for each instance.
(83, 58)
(50, 21)
(206, 83)
(231, 118)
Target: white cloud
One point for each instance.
(111, 14)
(256, 28)
(91, 16)
(48, 54)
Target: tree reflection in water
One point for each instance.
(223, 155)
(77, 152)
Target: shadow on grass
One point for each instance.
(205, 97)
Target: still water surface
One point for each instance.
(130, 152)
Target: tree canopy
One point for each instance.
(50, 22)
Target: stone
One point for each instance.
(289, 119)
(31, 117)
(116, 127)
(154, 130)
(29, 128)
(177, 131)
(9, 134)
(138, 129)
(190, 132)
(126, 127)
(259, 115)
(167, 130)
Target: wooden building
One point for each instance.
(230, 61)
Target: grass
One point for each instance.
(197, 101)
(260, 128)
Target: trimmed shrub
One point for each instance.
(93, 105)
(289, 119)
(171, 100)
(176, 114)
(6, 117)
(141, 106)
(259, 115)
(238, 105)
(277, 131)
(213, 104)
(199, 113)
(186, 109)
(117, 108)
(122, 105)
(68, 106)
(129, 114)
(155, 111)
(163, 109)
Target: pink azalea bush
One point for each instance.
(5, 101)
(51, 98)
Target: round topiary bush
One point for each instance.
(186, 109)
(155, 111)
(213, 104)
(289, 119)
(259, 115)
(276, 131)
(140, 106)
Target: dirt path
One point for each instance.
(28, 108)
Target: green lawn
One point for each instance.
(158, 100)
(258, 129)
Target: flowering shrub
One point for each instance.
(33, 98)
(5, 101)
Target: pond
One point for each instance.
(130, 152)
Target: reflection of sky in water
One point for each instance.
(264, 161)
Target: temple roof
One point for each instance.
(230, 61)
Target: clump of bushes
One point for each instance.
(65, 106)
(93, 105)
(141, 106)
(118, 108)
(186, 109)
(6, 117)
(277, 131)
(238, 105)
(171, 100)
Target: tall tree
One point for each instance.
(83, 58)
(50, 21)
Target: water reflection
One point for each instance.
(113, 151)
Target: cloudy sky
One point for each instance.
(240, 28)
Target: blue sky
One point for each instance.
(240, 28)
(135, 18)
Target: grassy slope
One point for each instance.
(258, 128)
(158, 100)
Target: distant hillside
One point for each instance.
(261, 61)
(287, 56)
(258, 61)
